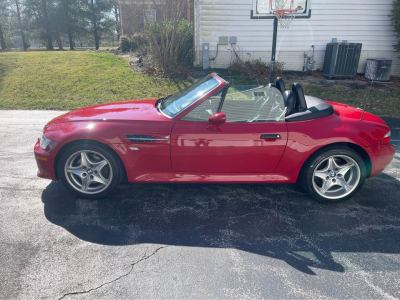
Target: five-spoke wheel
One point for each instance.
(90, 171)
(334, 175)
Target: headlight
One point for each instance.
(44, 142)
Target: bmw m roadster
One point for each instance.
(213, 133)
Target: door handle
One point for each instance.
(270, 136)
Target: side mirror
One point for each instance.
(216, 120)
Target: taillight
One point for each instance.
(386, 138)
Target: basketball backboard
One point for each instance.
(263, 9)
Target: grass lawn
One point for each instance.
(381, 101)
(73, 79)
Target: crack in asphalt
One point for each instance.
(116, 279)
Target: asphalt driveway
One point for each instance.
(190, 241)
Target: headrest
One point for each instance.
(290, 102)
(301, 100)
(280, 84)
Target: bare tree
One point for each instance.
(2, 40)
(65, 6)
(3, 14)
(94, 24)
(24, 43)
(47, 25)
(117, 20)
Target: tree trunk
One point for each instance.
(47, 26)
(2, 41)
(117, 21)
(24, 44)
(71, 40)
(189, 10)
(68, 25)
(95, 31)
(59, 42)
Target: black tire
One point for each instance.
(310, 184)
(113, 165)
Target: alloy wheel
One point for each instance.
(88, 172)
(336, 177)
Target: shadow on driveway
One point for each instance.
(278, 221)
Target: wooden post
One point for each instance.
(189, 10)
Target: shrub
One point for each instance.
(395, 18)
(124, 43)
(170, 45)
(133, 43)
(255, 69)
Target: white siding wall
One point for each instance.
(361, 21)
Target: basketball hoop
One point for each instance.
(285, 16)
(284, 11)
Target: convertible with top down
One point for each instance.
(213, 133)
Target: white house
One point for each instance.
(358, 21)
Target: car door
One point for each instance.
(252, 140)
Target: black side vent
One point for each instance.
(144, 138)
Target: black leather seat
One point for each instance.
(317, 108)
(280, 84)
(304, 108)
(301, 104)
(290, 102)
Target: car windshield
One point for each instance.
(175, 104)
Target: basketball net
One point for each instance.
(284, 15)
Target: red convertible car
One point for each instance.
(213, 133)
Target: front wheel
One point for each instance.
(89, 171)
(334, 176)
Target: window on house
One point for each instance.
(150, 15)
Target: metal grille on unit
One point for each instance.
(341, 59)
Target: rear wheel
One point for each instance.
(89, 171)
(334, 175)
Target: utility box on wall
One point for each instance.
(206, 56)
(341, 59)
(378, 69)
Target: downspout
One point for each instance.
(196, 21)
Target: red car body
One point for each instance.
(189, 152)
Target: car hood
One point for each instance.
(140, 110)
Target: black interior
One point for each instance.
(290, 102)
(317, 108)
(300, 97)
(298, 107)
(280, 84)
(301, 107)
